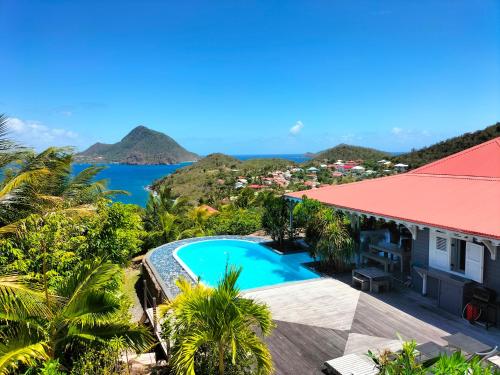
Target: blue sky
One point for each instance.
(250, 76)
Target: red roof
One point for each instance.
(209, 209)
(460, 193)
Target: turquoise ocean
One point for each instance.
(136, 178)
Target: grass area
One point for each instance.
(131, 277)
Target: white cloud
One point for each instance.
(294, 130)
(407, 135)
(396, 131)
(39, 136)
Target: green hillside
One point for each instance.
(140, 146)
(349, 152)
(445, 148)
(212, 178)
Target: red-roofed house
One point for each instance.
(451, 207)
(209, 209)
(256, 186)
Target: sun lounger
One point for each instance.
(351, 364)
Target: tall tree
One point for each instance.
(335, 246)
(275, 219)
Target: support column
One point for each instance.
(424, 284)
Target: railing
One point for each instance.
(150, 301)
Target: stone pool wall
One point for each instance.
(161, 269)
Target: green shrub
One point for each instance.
(234, 221)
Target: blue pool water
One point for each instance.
(261, 266)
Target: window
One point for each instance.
(456, 256)
(458, 248)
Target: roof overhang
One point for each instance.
(412, 226)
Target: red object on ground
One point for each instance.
(472, 312)
(460, 193)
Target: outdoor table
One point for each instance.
(466, 343)
(371, 273)
(391, 249)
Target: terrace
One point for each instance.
(322, 319)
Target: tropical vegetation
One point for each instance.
(63, 244)
(417, 158)
(83, 310)
(349, 152)
(216, 330)
(406, 361)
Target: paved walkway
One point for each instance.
(326, 318)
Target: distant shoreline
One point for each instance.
(292, 157)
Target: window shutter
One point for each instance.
(474, 261)
(439, 251)
(441, 244)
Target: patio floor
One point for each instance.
(322, 319)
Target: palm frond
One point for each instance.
(133, 336)
(28, 177)
(20, 299)
(18, 346)
(6, 144)
(251, 344)
(189, 345)
(11, 228)
(89, 277)
(86, 176)
(92, 309)
(108, 193)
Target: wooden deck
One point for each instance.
(323, 319)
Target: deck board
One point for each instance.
(324, 319)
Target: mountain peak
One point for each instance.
(140, 146)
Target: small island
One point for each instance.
(142, 146)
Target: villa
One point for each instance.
(440, 237)
(450, 212)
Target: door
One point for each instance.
(474, 262)
(439, 251)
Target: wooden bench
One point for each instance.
(385, 261)
(377, 284)
(363, 282)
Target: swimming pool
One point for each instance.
(261, 265)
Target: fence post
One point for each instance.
(145, 294)
(154, 314)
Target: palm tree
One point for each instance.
(85, 310)
(275, 219)
(44, 182)
(220, 324)
(164, 200)
(335, 245)
(164, 216)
